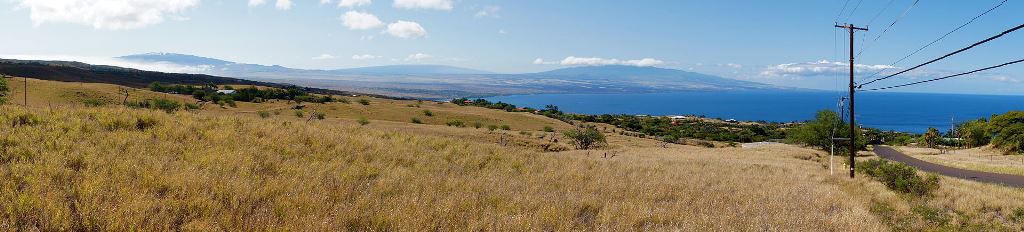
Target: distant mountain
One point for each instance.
(180, 59)
(440, 81)
(411, 70)
(651, 76)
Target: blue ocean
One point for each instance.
(906, 112)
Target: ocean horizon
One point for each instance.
(890, 111)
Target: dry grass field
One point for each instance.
(984, 159)
(71, 167)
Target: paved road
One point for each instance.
(987, 177)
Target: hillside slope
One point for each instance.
(122, 169)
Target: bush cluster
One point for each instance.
(899, 177)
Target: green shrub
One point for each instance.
(428, 113)
(24, 119)
(477, 125)
(363, 121)
(456, 123)
(344, 100)
(585, 137)
(899, 177)
(4, 90)
(549, 129)
(364, 102)
(299, 114)
(492, 127)
(164, 104)
(191, 106)
(506, 127)
(263, 113)
(320, 115)
(416, 121)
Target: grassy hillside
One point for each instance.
(123, 169)
(68, 166)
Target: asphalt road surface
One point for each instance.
(987, 177)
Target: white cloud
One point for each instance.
(360, 21)
(324, 57)
(100, 14)
(325, 2)
(284, 4)
(257, 2)
(406, 30)
(820, 68)
(424, 4)
(364, 57)
(734, 65)
(353, 3)
(502, 31)
(418, 56)
(489, 11)
(1005, 79)
(645, 62)
(597, 61)
(366, 37)
(538, 61)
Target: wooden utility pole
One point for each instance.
(853, 124)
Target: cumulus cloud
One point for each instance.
(1006, 79)
(820, 68)
(489, 11)
(406, 30)
(418, 57)
(360, 21)
(100, 14)
(597, 61)
(279, 4)
(353, 3)
(324, 57)
(284, 4)
(424, 4)
(364, 57)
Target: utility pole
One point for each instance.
(853, 123)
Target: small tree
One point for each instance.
(818, 133)
(363, 121)
(263, 114)
(364, 102)
(416, 121)
(585, 137)
(931, 138)
(428, 113)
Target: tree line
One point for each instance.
(248, 94)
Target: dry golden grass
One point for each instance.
(983, 159)
(96, 169)
(112, 168)
(45, 93)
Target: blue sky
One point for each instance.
(789, 43)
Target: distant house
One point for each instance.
(679, 117)
(468, 102)
(226, 91)
(731, 121)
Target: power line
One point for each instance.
(854, 10)
(842, 10)
(880, 12)
(904, 14)
(946, 77)
(947, 55)
(936, 40)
